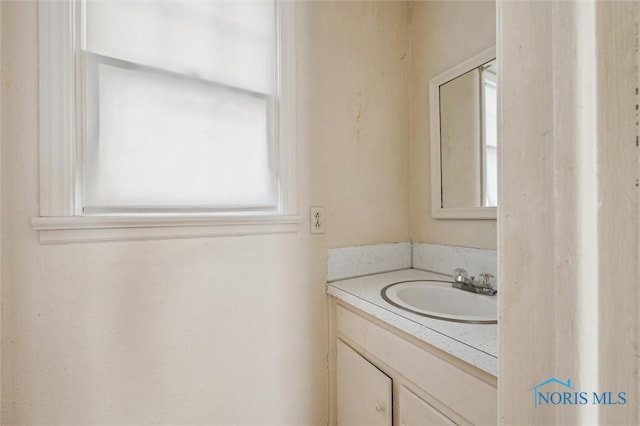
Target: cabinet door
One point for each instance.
(364, 393)
(414, 411)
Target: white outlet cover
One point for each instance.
(317, 220)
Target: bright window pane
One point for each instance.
(490, 168)
(180, 108)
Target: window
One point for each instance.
(490, 134)
(172, 118)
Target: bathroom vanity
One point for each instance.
(392, 366)
(411, 347)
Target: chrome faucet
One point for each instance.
(481, 285)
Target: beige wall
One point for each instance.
(203, 331)
(358, 130)
(443, 34)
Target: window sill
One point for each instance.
(55, 230)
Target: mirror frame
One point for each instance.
(437, 211)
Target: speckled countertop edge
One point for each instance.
(476, 344)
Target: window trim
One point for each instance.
(60, 218)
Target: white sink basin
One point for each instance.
(437, 299)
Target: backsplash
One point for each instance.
(349, 262)
(444, 259)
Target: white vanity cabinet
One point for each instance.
(376, 363)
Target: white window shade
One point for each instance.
(166, 142)
(229, 42)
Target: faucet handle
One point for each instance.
(485, 280)
(459, 274)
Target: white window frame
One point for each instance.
(61, 218)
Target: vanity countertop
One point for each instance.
(476, 344)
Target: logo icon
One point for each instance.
(564, 393)
(546, 382)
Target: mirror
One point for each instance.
(464, 175)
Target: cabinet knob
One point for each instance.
(380, 407)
